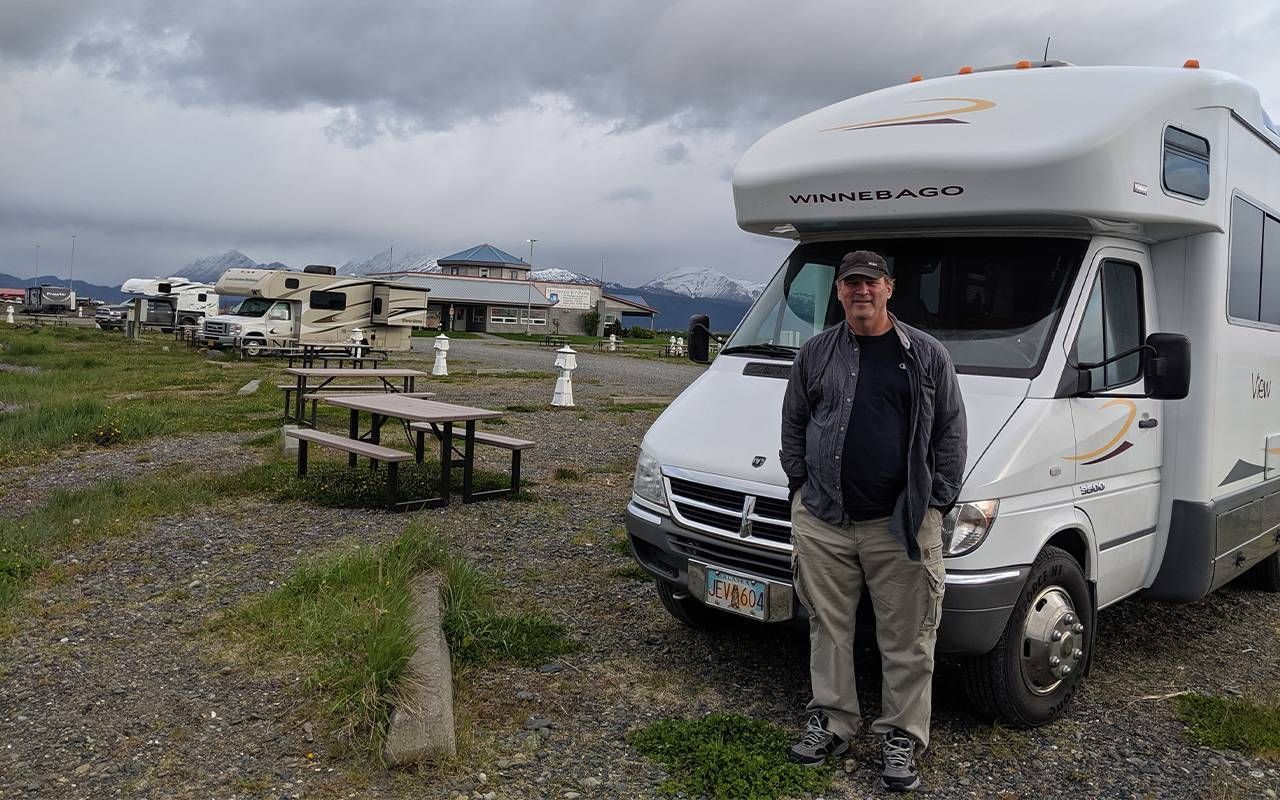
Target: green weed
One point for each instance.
(1252, 728)
(727, 756)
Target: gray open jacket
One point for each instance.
(819, 396)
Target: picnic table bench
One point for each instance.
(554, 340)
(516, 446)
(356, 447)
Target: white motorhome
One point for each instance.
(1039, 221)
(283, 309)
(172, 301)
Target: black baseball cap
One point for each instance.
(866, 263)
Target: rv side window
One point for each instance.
(1186, 163)
(291, 283)
(377, 305)
(1270, 311)
(1244, 285)
(329, 301)
(202, 297)
(1112, 324)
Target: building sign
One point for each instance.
(570, 298)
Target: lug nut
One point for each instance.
(1077, 654)
(1054, 661)
(1056, 636)
(1070, 618)
(1066, 670)
(1077, 628)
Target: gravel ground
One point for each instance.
(109, 687)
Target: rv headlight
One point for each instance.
(966, 526)
(648, 481)
(233, 328)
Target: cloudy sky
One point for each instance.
(161, 131)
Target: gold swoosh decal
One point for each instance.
(974, 104)
(1275, 451)
(1133, 412)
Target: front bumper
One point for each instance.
(976, 606)
(220, 340)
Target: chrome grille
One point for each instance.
(215, 328)
(715, 509)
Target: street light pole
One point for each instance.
(528, 308)
(73, 262)
(35, 279)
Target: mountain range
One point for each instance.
(676, 295)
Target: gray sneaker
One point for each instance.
(898, 762)
(817, 743)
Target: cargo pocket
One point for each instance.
(797, 584)
(936, 578)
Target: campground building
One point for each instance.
(485, 289)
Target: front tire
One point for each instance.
(1030, 677)
(681, 605)
(254, 347)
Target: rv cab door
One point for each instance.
(1118, 435)
(281, 324)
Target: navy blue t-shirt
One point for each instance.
(874, 461)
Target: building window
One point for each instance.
(1186, 163)
(453, 270)
(484, 272)
(510, 315)
(329, 301)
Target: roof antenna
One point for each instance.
(1046, 48)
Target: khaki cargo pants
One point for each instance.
(831, 565)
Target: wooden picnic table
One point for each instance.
(387, 377)
(382, 407)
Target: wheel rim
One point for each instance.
(1052, 641)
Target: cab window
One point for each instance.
(1112, 324)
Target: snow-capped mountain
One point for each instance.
(210, 268)
(706, 283)
(558, 275)
(404, 262)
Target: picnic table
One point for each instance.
(385, 379)
(553, 340)
(440, 418)
(306, 355)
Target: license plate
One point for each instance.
(736, 593)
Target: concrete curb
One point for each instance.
(422, 725)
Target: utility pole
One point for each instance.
(35, 279)
(528, 307)
(73, 262)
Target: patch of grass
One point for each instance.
(520, 373)
(1221, 722)
(109, 508)
(348, 616)
(613, 468)
(568, 474)
(271, 437)
(727, 756)
(618, 543)
(332, 483)
(632, 572)
(627, 408)
(526, 408)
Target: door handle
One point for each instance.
(1148, 423)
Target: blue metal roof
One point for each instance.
(482, 254)
(633, 299)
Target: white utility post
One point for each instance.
(528, 306)
(613, 343)
(442, 350)
(8, 313)
(566, 362)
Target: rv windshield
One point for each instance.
(992, 302)
(252, 307)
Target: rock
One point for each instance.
(195, 584)
(551, 668)
(250, 387)
(524, 694)
(591, 783)
(536, 723)
(850, 765)
(83, 769)
(571, 795)
(1270, 793)
(483, 778)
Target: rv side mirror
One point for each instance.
(700, 339)
(1167, 366)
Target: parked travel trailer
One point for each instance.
(49, 299)
(1098, 248)
(283, 309)
(171, 301)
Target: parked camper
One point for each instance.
(1099, 251)
(173, 301)
(50, 299)
(283, 309)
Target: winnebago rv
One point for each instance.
(172, 301)
(283, 309)
(1098, 248)
(49, 299)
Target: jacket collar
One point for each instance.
(899, 328)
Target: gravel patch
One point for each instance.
(109, 687)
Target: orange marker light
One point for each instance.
(917, 78)
(1191, 63)
(965, 70)
(1023, 64)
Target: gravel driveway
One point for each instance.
(110, 686)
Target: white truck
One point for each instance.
(170, 302)
(1099, 250)
(283, 309)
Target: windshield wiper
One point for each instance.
(762, 349)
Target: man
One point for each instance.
(873, 444)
